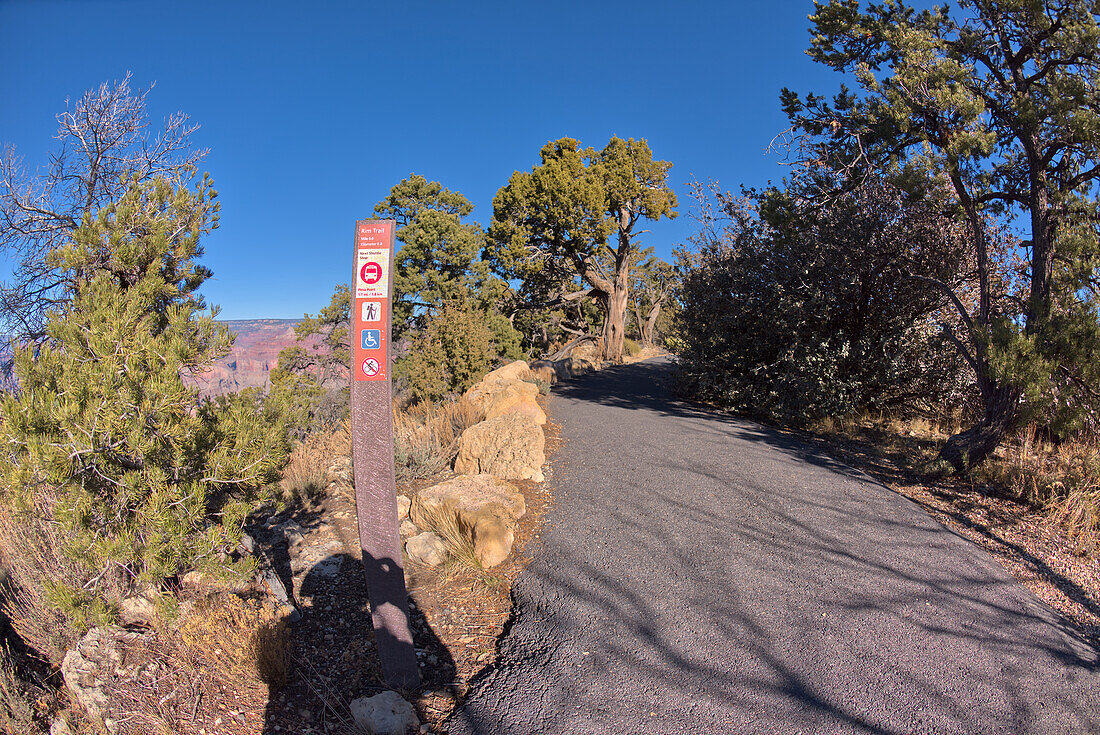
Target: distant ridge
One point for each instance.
(255, 352)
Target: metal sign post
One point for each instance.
(372, 445)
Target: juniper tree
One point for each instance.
(1001, 97)
(578, 211)
(103, 436)
(438, 260)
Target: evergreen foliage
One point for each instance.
(796, 312)
(1001, 98)
(438, 261)
(104, 438)
(571, 222)
(459, 344)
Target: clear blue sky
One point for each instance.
(313, 110)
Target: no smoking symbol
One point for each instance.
(370, 367)
(371, 273)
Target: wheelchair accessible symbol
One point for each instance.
(372, 339)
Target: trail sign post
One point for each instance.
(372, 443)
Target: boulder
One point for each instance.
(471, 497)
(486, 509)
(426, 548)
(518, 396)
(492, 538)
(554, 370)
(512, 371)
(137, 610)
(509, 447)
(544, 371)
(384, 714)
(481, 394)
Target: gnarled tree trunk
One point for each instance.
(651, 322)
(968, 448)
(614, 324)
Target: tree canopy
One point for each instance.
(573, 218)
(1002, 99)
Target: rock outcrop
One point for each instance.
(518, 396)
(90, 667)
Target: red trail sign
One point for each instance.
(372, 443)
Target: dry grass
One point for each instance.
(1063, 478)
(426, 436)
(305, 476)
(32, 553)
(456, 537)
(240, 638)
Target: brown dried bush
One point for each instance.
(426, 436)
(1063, 478)
(32, 552)
(18, 715)
(240, 638)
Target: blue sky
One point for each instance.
(312, 111)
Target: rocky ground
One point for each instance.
(458, 613)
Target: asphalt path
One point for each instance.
(704, 574)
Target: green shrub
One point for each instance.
(104, 439)
(630, 347)
(456, 348)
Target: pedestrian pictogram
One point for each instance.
(370, 367)
(372, 339)
(371, 273)
(372, 311)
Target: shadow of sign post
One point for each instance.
(372, 448)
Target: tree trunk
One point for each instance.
(651, 323)
(968, 448)
(614, 323)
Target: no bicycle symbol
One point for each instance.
(370, 367)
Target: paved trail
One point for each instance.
(703, 574)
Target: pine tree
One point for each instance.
(103, 437)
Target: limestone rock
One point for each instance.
(509, 447)
(492, 538)
(137, 610)
(408, 528)
(544, 371)
(482, 393)
(384, 714)
(88, 670)
(516, 397)
(403, 504)
(426, 548)
(511, 371)
(471, 497)
(569, 367)
(486, 509)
